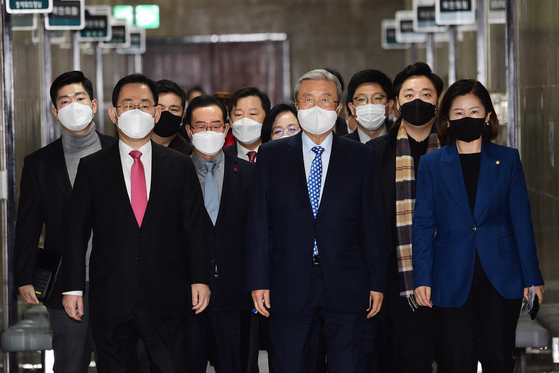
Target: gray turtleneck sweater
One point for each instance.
(76, 147)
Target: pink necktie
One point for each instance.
(252, 156)
(138, 191)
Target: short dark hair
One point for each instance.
(70, 77)
(204, 101)
(417, 69)
(195, 88)
(247, 92)
(135, 79)
(266, 133)
(168, 86)
(369, 76)
(461, 88)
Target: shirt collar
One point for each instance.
(308, 144)
(200, 162)
(125, 149)
(245, 150)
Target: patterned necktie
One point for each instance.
(251, 156)
(211, 196)
(313, 184)
(138, 189)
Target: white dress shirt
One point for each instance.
(242, 152)
(308, 156)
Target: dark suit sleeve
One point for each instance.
(194, 229)
(258, 228)
(79, 231)
(424, 227)
(29, 225)
(519, 207)
(375, 228)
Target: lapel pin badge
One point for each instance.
(235, 169)
(498, 162)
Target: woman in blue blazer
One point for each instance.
(474, 253)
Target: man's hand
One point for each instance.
(538, 290)
(27, 293)
(73, 304)
(423, 296)
(200, 297)
(375, 302)
(261, 299)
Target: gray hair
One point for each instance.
(318, 74)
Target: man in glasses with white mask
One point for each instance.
(225, 181)
(149, 261)
(46, 184)
(370, 101)
(314, 257)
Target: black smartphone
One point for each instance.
(535, 307)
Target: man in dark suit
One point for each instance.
(45, 188)
(370, 101)
(225, 181)
(414, 134)
(172, 100)
(248, 108)
(328, 256)
(144, 205)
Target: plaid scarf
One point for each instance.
(405, 201)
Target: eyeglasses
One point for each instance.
(362, 100)
(143, 107)
(289, 131)
(202, 128)
(322, 102)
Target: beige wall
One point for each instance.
(538, 70)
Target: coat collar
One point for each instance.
(489, 175)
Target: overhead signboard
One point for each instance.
(388, 35)
(28, 6)
(124, 12)
(455, 12)
(120, 34)
(404, 28)
(147, 16)
(497, 11)
(97, 19)
(424, 17)
(66, 15)
(137, 42)
(24, 22)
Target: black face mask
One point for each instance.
(418, 112)
(467, 129)
(168, 124)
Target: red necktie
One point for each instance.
(138, 190)
(252, 156)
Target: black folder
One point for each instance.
(46, 272)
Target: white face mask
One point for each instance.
(75, 116)
(317, 120)
(246, 130)
(135, 123)
(371, 116)
(208, 142)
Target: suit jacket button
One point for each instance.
(141, 232)
(215, 235)
(474, 229)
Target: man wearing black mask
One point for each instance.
(414, 134)
(172, 100)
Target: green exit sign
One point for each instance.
(147, 16)
(124, 12)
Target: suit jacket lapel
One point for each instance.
(490, 171)
(335, 166)
(159, 171)
(230, 179)
(57, 164)
(450, 170)
(296, 166)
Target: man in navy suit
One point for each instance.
(314, 257)
(225, 181)
(150, 254)
(45, 188)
